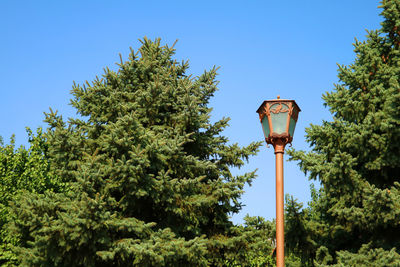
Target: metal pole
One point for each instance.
(280, 241)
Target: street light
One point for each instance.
(278, 119)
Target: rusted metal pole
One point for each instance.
(280, 239)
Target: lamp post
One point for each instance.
(278, 119)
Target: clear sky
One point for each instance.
(264, 48)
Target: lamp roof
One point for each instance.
(277, 101)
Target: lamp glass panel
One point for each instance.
(279, 120)
(292, 125)
(265, 126)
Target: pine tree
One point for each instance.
(356, 156)
(148, 174)
(297, 233)
(256, 246)
(22, 170)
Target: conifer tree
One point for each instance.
(22, 170)
(354, 221)
(297, 235)
(257, 248)
(148, 173)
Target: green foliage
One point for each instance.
(256, 243)
(323, 256)
(291, 260)
(22, 170)
(356, 156)
(298, 235)
(366, 256)
(369, 257)
(148, 173)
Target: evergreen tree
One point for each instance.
(148, 173)
(256, 246)
(356, 156)
(21, 170)
(297, 233)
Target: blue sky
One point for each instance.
(264, 48)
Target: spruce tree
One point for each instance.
(355, 219)
(257, 245)
(22, 170)
(148, 173)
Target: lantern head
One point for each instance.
(278, 119)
